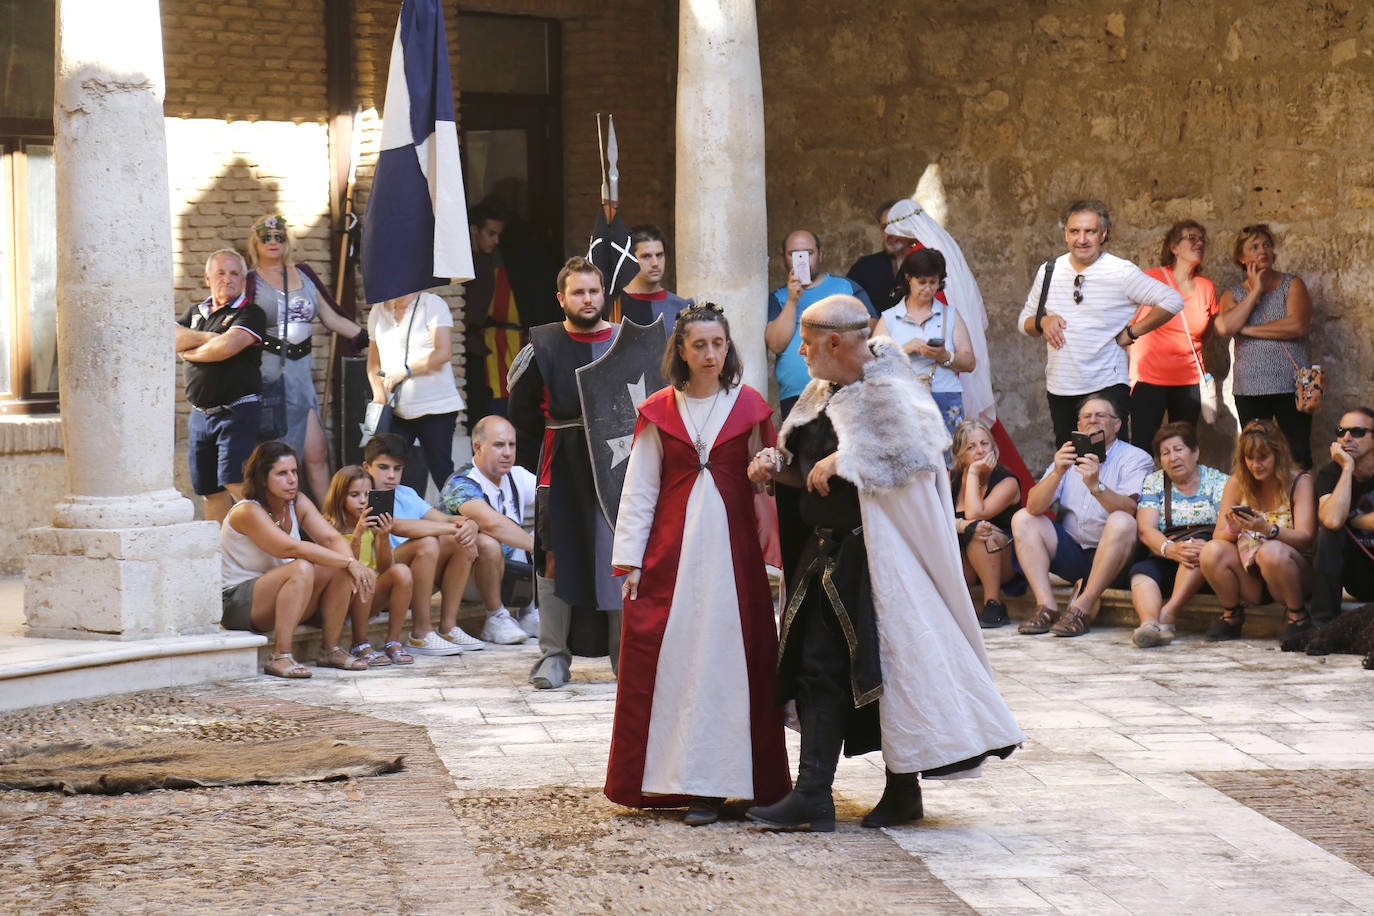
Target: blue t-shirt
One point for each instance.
(409, 504)
(790, 368)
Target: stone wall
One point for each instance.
(1220, 111)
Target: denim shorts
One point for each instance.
(217, 445)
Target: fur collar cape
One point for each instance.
(887, 423)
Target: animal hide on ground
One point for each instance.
(113, 768)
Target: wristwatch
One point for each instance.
(1099, 487)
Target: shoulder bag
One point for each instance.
(1174, 532)
(378, 417)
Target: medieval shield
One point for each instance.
(611, 389)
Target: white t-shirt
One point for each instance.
(501, 498)
(422, 394)
(1112, 290)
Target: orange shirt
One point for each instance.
(1165, 356)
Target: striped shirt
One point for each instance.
(1113, 289)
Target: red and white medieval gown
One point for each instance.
(695, 712)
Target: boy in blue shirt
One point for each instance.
(435, 546)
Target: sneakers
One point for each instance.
(502, 629)
(463, 641)
(432, 644)
(529, 620)
(994, 615)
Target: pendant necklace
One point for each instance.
(698, 440)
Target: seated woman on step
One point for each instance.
(273, 580)
(1261, 549)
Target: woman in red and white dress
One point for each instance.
(695, 718)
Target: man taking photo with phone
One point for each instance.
(1095, 534)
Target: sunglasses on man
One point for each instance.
(1356, 432)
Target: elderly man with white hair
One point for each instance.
(220, 340)
(865, 444)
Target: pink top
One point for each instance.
(1170, 355)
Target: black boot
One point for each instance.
(809, 806)
(900, 804)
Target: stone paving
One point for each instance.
(1100, 812)
(1121, 801)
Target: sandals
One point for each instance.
(285, 666)
(338, 658)
(1228, 626)
(1298, 623)
(371, 656)
(398, 654)
(1073, 623)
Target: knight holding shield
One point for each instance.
(582, 461)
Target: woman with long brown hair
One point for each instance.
(1267, 522)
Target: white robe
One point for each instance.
(699, 739)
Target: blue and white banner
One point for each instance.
(415, 228)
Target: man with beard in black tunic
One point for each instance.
(578, 595)
(879, 647)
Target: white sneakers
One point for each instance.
(502, 629)
(432, 644)
(529, 620)
(463, 641)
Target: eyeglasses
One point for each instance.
(1098, 416)
(1192, 237)
(1356, 432)
(272, 237)
(1078, 290)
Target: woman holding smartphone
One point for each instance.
(348, 508)
(1267, 522)
(930, 331)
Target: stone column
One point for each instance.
(722, 220)
(123, 558)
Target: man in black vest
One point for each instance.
(220, 340)
(568, 525)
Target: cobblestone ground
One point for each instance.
(1197, 778)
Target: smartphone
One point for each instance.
(1244, 510)
(935, 342)
(801, 267)
(1090, 444)
(381, 502)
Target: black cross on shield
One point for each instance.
(611, 389)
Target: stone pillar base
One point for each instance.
(123, 583)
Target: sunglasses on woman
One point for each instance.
(272, 236)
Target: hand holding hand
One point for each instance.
(1187, 553)
(765, 466)
(364, 579)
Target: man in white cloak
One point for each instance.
(884, 654)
